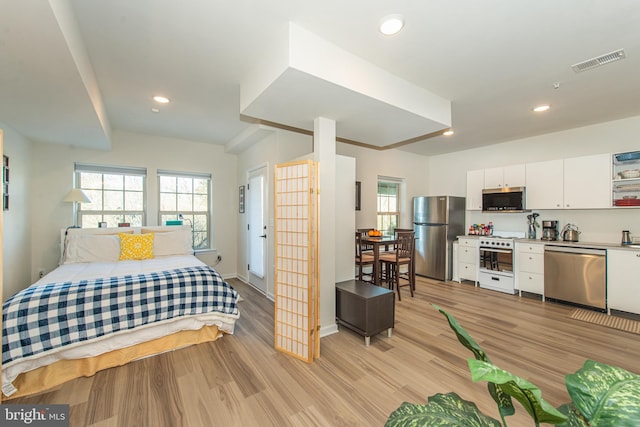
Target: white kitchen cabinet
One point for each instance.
(508, 176)
(475, 184)
(493, 178)
(586, 182)
(573, 183)
(468, 254)
(623, 270)
(530, 267)
(544, 185)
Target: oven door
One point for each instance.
(496, 260)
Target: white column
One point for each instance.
(324, 152)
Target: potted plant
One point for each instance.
(601, 395)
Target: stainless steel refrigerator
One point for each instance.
(437, 221)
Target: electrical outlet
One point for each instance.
(41, 273)
(219, 257)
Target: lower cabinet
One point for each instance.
(468, 259)
(623, 270)
(530, 268)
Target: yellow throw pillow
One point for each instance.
(136, 246)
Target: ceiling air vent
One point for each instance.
(598, 61)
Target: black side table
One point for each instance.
(365, 308)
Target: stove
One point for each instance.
(496, 242)
(496, 263)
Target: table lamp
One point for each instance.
(75, 196)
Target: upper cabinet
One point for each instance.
(544, 185)
(574, 183)
(475, 184)
(586, 182)
(626, 179)
(508, 176)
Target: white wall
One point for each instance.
(345, 251)
(390, 163)
(53, 177)
(447, 174)
(278, 147)
(16, 236)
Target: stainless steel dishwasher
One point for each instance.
(576, 274)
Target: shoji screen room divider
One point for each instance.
(297, 315)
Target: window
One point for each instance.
(388, 206)
(186, 194)
(116, 194)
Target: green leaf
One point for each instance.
(463, 336)
(574, 417)
(605, 395)
(441, 410)
(522, 390)
(505, 405)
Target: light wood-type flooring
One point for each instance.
(240, 380)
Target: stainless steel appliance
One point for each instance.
(570, 233)
(437, 221)
(506, 199)
(576, 275)
(549, 230)
(496, 264)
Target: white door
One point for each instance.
(257, 228)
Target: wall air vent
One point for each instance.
(598, 61)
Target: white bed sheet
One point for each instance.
(74, 272)
(93, 270)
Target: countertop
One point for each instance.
(592, 245)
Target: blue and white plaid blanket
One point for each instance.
(43, 317)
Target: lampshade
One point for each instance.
(76, 195)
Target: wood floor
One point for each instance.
(241, 380)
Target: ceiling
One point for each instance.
(72, 71)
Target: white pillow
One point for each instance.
(92, 248)
(173, 243)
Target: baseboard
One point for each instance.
(235, 276)
(328, 330)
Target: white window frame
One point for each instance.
(188, 215)
(384, 213)
(80, 168)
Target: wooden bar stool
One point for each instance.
(364, 258)
(403, 255)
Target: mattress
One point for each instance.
(124, 338)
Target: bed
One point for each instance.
(118, 295)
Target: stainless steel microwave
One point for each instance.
(507, 199)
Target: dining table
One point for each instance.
(377, 242)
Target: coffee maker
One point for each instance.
(549, 230)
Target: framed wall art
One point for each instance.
(5, 183)
(241, 199)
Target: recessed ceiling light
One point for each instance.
(161, 99)
(155, 110)
(447, 132)
(391, 24)
(541, 108)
